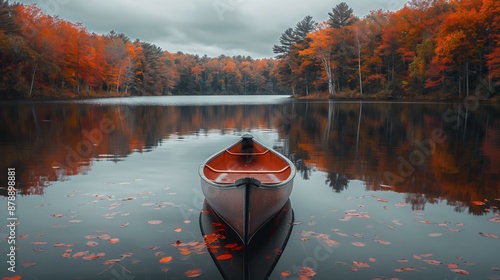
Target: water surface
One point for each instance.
(383, 190)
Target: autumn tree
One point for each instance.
(292, 41)
(320, 48)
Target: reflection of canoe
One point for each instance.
(247, 184)
(257, 259)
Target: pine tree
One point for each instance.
(342, 15)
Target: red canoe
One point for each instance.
(246, 184)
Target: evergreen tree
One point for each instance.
(342, 15)
(7, 24)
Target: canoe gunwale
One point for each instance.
(277, 185)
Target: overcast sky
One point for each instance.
(211, 27)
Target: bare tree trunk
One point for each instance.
(359, 45)
(35, 67)
(328, 69)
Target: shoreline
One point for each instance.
(375, 98)
(311, 97)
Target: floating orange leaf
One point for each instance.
(155, 222)
(231, 245)
(383, 242)
(372, 260)
(194, 273)
(57, 215)
(225, 256)
(489, 235)
(358, 244)
(433, 262)
(402, 269)
(435, 234)
(111, 262)
(80, 254)
(17, 277)
(114, 240)
(460, 271)
(360, 264)
(23, 236)
(307, 271)
(285, 274)
(178, 229)
(92, 243)
(166, 259)
(452, 265)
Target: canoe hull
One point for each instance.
(248, 203)
(253, 261)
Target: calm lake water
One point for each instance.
(109, 188)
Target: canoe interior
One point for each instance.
(239, 162)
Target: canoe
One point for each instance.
(246, 184)
(253, 261)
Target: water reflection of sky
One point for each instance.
(147, 171)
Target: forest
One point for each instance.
(427, 49)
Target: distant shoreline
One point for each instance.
(310, 97)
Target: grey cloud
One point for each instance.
(211, 27)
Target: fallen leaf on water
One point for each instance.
(495, 268)
(489, 235)
(154, 222)
(74, 221)
(159, 254)
(383, 242)
(357, 235)
(372, 260)
(57, 215)
(187, 222)
(178, 229)
(285, 274)
(91, 257)
(194, 273)
(111, 262)
(360, 264)
(28, 264)
(452, 265)
(166, 259)
(104, 236)
(331, 242)
(404, 269)
(358, 244)
(494, 220)
(126, 255)
(17, 277)
(433, 262)
(225, 256)
(403, 260)
(79, 254)
(426, 255)
(92, 243)
(307, 271)
(114, 240)
(435, 234)
(460, 271)
(38, 242)
(23, 236)
(231, 245)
